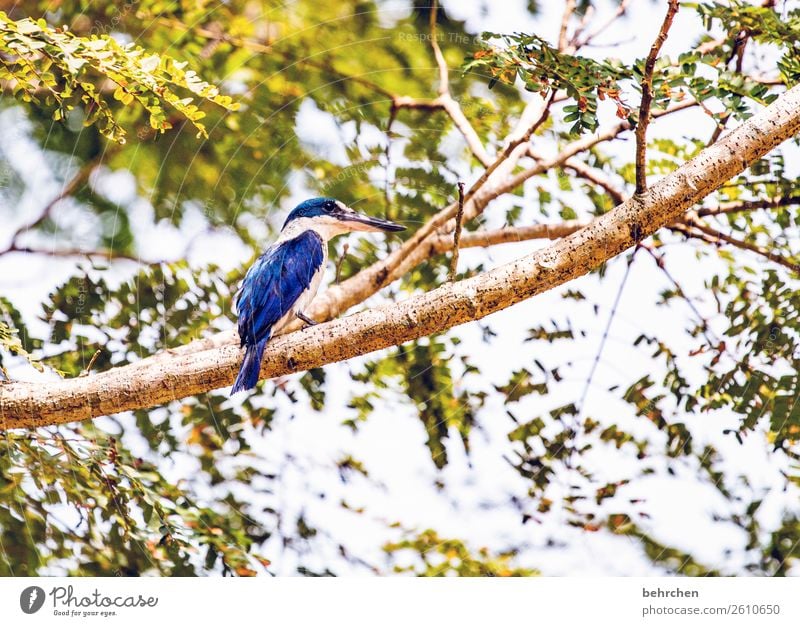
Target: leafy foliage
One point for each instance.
(762, 23)
(49, 66)
(448, 557)
(543, 69)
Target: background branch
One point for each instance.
(647, 98)
(72, 186)
(716, 237)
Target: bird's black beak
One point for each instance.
(357, 221)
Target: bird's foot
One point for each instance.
(302, 316)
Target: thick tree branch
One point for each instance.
(647, 97)
(169, 376)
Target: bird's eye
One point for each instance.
(327, 207)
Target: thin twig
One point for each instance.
(707, 332)
(446, 103)
(579, 30)
(388, 153)
(106, 253)
(88, 368)
(737, 51)
(457, 232)
(508, 234)
(748, 205)
(595, 176)
(647, 98)
(606, 331)
(75, 183)
(444, 82)
(585, 171)
(717, 237)
(573, 431)
(340, 260)
(583, 144)
(569, 9)
(619, 12)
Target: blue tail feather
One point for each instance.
(251, 367)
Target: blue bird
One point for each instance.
(283, 281)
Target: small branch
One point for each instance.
(737, 51)
(579, 30)
(77, 252)
(769, 81)
(568, 151)
(619, 12)
(595, 176)
(704, 325)
(714, 236)
(509, 234)
(340, 260)
(75, 183)
(569, 9)
(689, 232)
(586, 172)
(444, 81)
(585, 143)
(748, 205)
(407, 255)
(88, 368)
(450, 106)
(457, 232)
(647, 98)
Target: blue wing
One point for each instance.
(275, 282)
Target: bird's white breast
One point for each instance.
(305, 298)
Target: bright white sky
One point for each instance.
(475, 505)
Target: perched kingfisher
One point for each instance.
(283, 281)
